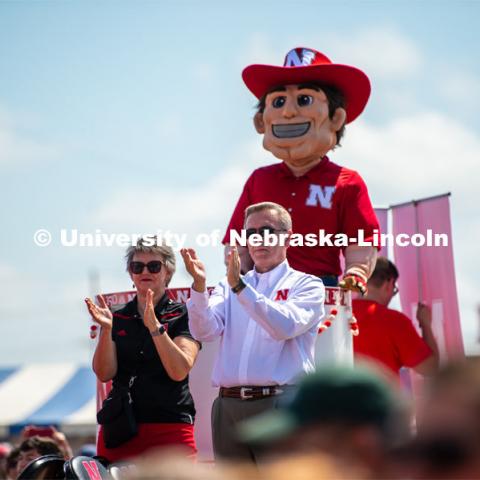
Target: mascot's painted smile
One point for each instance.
(290, 130)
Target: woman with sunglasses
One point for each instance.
(148, 345)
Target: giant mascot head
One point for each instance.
(304, 105)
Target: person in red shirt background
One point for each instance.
(302, 111)
(387, 336)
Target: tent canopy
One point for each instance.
(63, 395)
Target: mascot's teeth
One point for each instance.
(290, 130)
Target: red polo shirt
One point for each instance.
(328, 197)
(387, 336)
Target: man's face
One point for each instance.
(265, 257)
(296, 124)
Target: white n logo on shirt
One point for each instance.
(320, 195)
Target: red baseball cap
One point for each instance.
(305, 65)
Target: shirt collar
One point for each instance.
(285, 170)
(272, 276)
(131, 308)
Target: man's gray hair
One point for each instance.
(164, 251)
(283, 216)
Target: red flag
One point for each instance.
(427, 273)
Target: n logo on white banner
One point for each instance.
(320, 196)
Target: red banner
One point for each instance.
(427, 273)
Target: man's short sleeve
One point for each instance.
(357, 212)
(411, 348)
(245, 200)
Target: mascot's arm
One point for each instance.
(359, 265)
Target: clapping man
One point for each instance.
(267, 322)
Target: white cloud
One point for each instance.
(205, 206)
(191, 211)
(383, 52)
(460, 87)
(414, 156)
(260, 48)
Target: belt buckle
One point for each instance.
(243, 395)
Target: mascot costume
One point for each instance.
(303, 107)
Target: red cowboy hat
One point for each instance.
(304, 65)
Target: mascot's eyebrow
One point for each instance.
(276, 89)
(310, 86)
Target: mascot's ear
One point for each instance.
(339, 118)
(258, 122)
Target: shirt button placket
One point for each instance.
(293, 194)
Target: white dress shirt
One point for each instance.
(267, 331)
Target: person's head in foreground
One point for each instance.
(33, 448)
(447, 445)
(262, 219)
(11, 463)
(352, 415)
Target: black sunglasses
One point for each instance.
(262, 231)
(153, 267)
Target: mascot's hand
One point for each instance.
(354, 283)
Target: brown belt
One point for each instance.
(250, 393)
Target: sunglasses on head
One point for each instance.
(153, 267)
(262, 231)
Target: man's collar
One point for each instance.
(272, 276)
(285, 169)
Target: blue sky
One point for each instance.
(132, 116)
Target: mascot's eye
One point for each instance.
(278, 102)
(304, 100)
